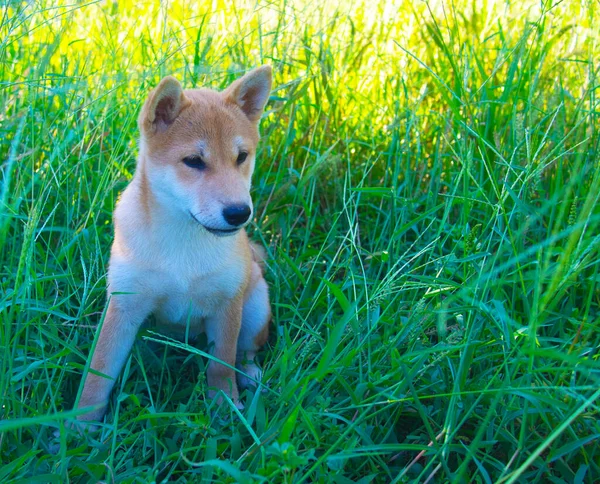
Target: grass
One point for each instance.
(427, 192)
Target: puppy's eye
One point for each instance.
(195, 162)
(242, 157)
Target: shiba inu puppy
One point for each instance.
(180, 250)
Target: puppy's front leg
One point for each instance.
(124, 316)
(222, 329)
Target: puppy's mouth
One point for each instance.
(217, 232)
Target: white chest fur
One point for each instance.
(181, 300)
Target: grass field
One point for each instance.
(427, 191)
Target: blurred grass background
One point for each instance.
(427, 190)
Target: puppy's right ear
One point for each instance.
(162, 107)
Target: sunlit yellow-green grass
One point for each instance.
(427, 191)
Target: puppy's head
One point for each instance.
(198, 147)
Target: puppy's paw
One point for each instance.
(81, 428)
(217, 397)
(54, 444)
(251, 376)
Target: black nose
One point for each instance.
(236, 214)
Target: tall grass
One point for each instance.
(427, 192)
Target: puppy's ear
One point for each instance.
(163, 105)
(251, 92)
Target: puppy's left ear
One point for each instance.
(163, 106)
(251, 92)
